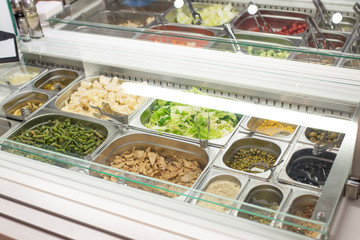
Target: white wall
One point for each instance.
(5, 19)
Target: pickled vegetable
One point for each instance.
(51, 86)
(29, 105)
(271, 127)
(245, 158)
(315, 135)
(67, 137)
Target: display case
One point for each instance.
(178, 129)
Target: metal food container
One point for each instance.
(5, 125)
(354, 63)
(243, 143)
(143, 117)
(180, 35)
(346, 24)
(338, 40)
(49, 81)
(163, 146)
(306, 170)
(255, 44)
(172, 14)
(302, 206)
(155, 6)
(284, 131)
(276, 19)
(123, 18)
(102, 31)
(65, 96)
(355, 47)
(43, 118)
(20, 76)
(267, 196)
(6, 91)
(315, 58)
(29, 99)
(218, 175)
(312, 136)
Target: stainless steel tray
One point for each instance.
(21, 99)
(189, 35)
(242, 141)
(305, 137)
(166, 147)
(275, 18)
(142, 117)
(6, 125)
(213, 175)
(65, 96)
(63, 76)
(262, 194)
(25, 71)
(302, 150)
(171, 15)
(252, 123)
(44, 116)
(157, 6)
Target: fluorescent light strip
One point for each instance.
(237, 106)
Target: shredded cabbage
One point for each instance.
(214, 15)
(179, 119)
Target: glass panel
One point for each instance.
(287, 34)
(245, 169)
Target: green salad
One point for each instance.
(181, 119)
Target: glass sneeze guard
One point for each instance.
(144, 23)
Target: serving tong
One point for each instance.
(203, 143)
(25, 111)
(107, 111)
(311, 23)
(197, 20)
(230, 32)
(251, 10)
(323, 145)
(324, 13)
(254, 166)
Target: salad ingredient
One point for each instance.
(29, 105)
(67, 137)
(21, 77)
(150, 163)
(137, 24)
(244, 158)
(295, 28)
(271, 127)
(213, 15)
(315, 135)
(181, 119)
(51, 86)
(224, 188)
(102, 90)
(273, 53)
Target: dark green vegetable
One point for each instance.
(65, 137)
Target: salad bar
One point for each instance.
(238, 145)
(252, 168)
(271, 31)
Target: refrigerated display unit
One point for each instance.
(132, 121)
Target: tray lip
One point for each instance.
(220, 142)
(79, 73)
(284, 146)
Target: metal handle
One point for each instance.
(310, 21)
(196, 16)
(356, 8)
(229, 31)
